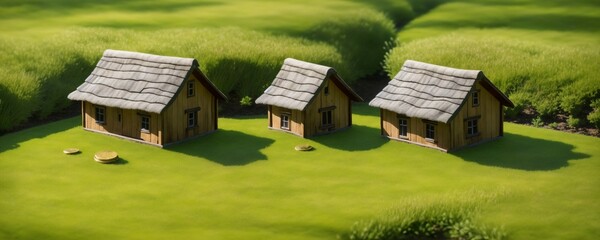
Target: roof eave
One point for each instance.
(346, 88)
(487, 84)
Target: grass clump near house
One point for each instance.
(543, 54)
(450, 217)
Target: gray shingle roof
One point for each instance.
(431, 92)
(297, 83)
(138, 81)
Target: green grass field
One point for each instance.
(247, 182)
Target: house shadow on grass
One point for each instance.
(226, 147)
(12, 140)
(355, 138)
(522, 152)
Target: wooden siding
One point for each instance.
(129, 124)
(175, 120)
(335, 98)
(170, 126)
(308, 123)
(295, 121)
(454, 134)
(489, 121)
(416, 130)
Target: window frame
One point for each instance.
(285, 121)
(430, 128)
(400, 126)
(100, 111)
(191, 88)
(327, 118)
(475, 98)
(142, 129)
(194, 119)
(472, 130)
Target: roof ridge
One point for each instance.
(139, 56)
(136, 64)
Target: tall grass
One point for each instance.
(37, 75)
(543, 54)
(240, 44)
(551, 79)
(449, 217)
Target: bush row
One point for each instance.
(551, 79)
(38, 75)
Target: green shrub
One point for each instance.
(537, 122)
(553, 125)
(246, 101)
(594, 116)
(362, 38)
(573, 122)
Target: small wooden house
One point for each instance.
(308, 99)
(440, 107)
(148, 98)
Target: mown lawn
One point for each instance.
(247, 182)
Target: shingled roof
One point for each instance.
(297, 83)
(432, 92)
(138, 81)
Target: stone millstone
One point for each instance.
(71, 151)
(304, 147)
(106, 156)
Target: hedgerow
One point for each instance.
(38, 75)
(549, 78)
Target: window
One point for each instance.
(326, 90)
(145, 123)
(190, 88)
(327, 118)
(192, 119)
(100, 115)
(403, 127)
(285, 121)
(429, 131)
(475, 97)
(472, 129)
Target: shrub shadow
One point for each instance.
(355, 138)
(226, 147)
(11, 140)
(523, 153)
